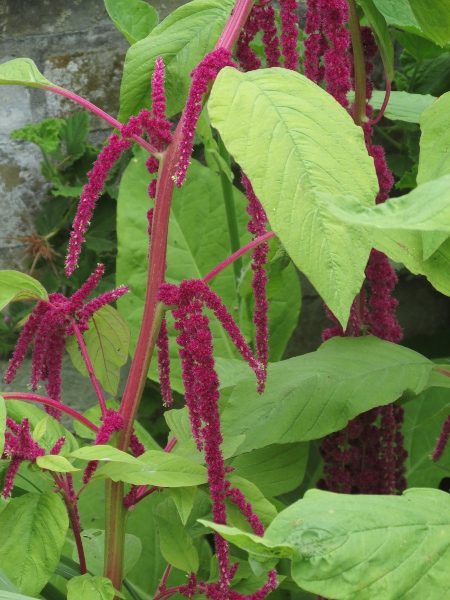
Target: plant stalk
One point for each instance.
(359, 106)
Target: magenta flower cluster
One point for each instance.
(289, 33)
(204, 73)
(261, 18)
(158, 130)
(20, 447)
(201, 385)
(49, 325)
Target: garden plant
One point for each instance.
(288, 175)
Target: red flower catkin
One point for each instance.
(289, 33)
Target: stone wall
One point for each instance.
(75, 45)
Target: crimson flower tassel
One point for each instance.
(289, 36)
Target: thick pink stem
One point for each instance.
(49, 402)
(256, 242)
(89, 367)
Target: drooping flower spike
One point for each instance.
(20, 447)
(158, 129)
(49, 325)
(112, 422)
(289, 33)
(205, 72)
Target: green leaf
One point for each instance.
(46, 134)
(87, 587)
(382, 36)
(58, 464)
(398, 13)
(262, 507)
(134, 18)
(15, 286)
(107, 342)
(424, 418)
(182, 40)
(275, 469)
(366, 547)
(2, 424)
(94, 414)
(94, 550)
(6, 585)
(176, 544)
(156, 468)
(321, 151)
(184, 501)
(197, 242)
(419, 47)
(77, 129)
(19, 410)
(434, 159)
(23, 71)
(103, 452)
(433, 18)
(33, 532)
(67, 191)
(403, 106)
(310, 396)
(6, 595)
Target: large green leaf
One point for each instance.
(88, 587)
(107, 342)
(134, 18)
(368, 547)
(156, 468)
(18, 410)
(94, 551)
(313, 395)
(23, 71)
(434, 159)
(33, 529)
(15, 286)
(398, 13)
(294, 141)
(182, 40)
(424, 417)
(275, 469)
(198, 241)
(176, 544)
(6, 585)
(380, 29)
(403, 106)
(408, 247)
(433, 18)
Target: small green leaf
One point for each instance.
(335, 536)
(402, 106)
(102, 453)
(134, 18)
(94, 550)
(87, 587)
(434, 161)
(33, 530)
(433, 18)
(176, 544)
(76, 131)
(107, 342)
(382, 36)
(23, 71)
(262, 507)
(182, 40)
(156, 468)
(15, 286)
(40, 428)
(19, 410)
(184, 501)
(58, 464)
(322, 151)
(310, 396)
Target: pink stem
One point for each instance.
(384, 105)
(49, 402)
(443, 371)
(165, 577)
(234, 24)
(90, 368)
(99, 112)
(256, 242)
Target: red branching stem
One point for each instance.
(89, 367)
(99, 112)
(53, 403)
(384, 105)
(234, 24)
(223, 265)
